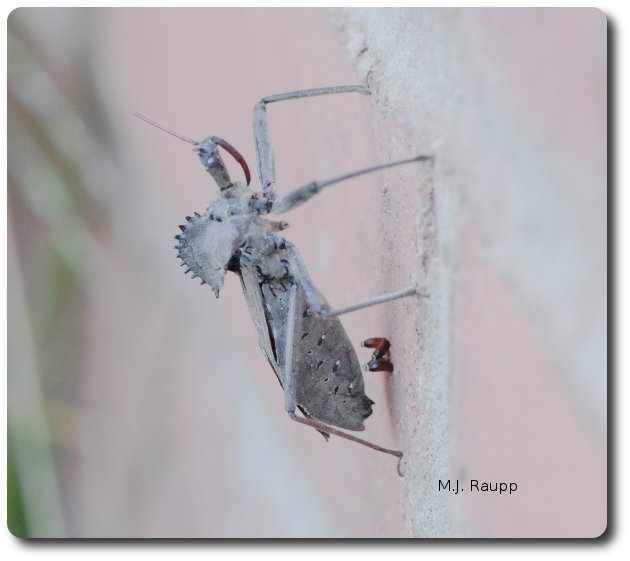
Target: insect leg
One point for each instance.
(312, 296)
(290, 389)
(264, 150)
(299, 196)
(289, 380)
(409, 291)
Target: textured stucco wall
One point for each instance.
(513, 104)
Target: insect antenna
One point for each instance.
(219, 141)
(193, 142)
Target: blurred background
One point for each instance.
(141, 406)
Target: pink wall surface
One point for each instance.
(200, 72)
(178, 424)
(515, 418)
(514, 409)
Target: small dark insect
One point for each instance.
(380, 357)
(299, 334)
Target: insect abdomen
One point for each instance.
(330, 384)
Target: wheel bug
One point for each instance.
(297, 331)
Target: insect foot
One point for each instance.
(380, 361)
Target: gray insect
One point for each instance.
(297, 331)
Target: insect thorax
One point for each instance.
(208, 243)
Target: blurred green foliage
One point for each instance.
(16, 518)
(55, 120)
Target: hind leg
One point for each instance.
(290, 389)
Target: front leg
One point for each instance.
(299, 196)
(264, 149)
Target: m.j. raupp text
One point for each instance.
(476, 486)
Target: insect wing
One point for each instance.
(329, 380)
(256, 307)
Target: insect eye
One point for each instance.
(232, 212)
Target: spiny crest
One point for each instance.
(208, 243)
(184, 247)
(203, 250)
